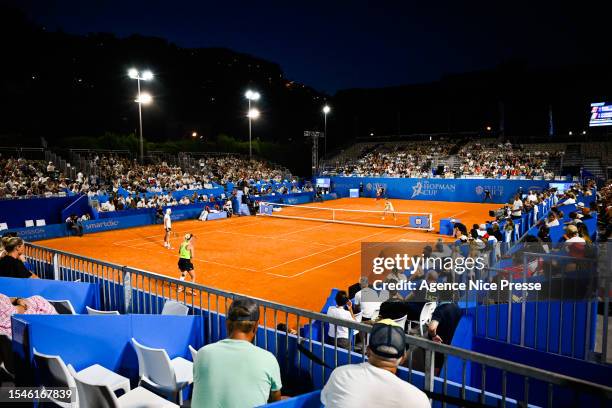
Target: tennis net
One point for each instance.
(373, 218)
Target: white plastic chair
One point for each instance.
(158, 372)
(62, 306)
(29, 223)
(424, 318)
(54, 373)
(93, 394)
(193, 352)
(41, 223)
(401, 321)
(3, 226)
(172, 307)
(91, 311)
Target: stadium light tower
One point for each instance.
(251, 114)
(326, 110)
(141, 99)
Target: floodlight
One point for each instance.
(145, 98)
(253, 114)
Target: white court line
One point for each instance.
(337, 259)
(224, 231)
(322, 251)
(346, 256)
(325, 224)
(199, 260)
(275, 238)
(245, 224)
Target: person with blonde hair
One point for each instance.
(186, 254)
(12, 259)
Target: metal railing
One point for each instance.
(132, 290)
(33, 153)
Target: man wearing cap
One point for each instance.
(375, 383)
(234, 372)
(571, 234)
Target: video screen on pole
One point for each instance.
(561, 187)
(601, 114)
(323, 182)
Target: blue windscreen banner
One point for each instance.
(16, 212)
(147, 217)
(78, 207)
(291, 198)
(456, 190)
(80, 294)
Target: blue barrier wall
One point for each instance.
(114, 221)
(596, 373)
(78, 293)
(15, 212)
(543, 329)
(464, 190)
(83, 340)
(79, 207)
(292, 198)
(107, 346)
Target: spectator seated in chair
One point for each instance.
(74, 225)
(374, 383)
(234, 372)
(12, 306)
(12, 259)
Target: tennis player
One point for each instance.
(379, 193)
(389, 208)
(167, 228)
(186, 254)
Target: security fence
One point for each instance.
(451, 376)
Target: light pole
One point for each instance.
(142, 98)
(252, 114)
(326, 110)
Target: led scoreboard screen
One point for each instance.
(601, 114)
(323, 182)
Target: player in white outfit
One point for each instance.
(167, 228)
(389, 208)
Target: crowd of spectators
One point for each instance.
(604, 209)
(489, 159)
(495, 159)
(24, 178)
(20, 178)
(401, 160)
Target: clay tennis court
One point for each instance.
(295, 262)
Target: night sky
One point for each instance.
(333, 45)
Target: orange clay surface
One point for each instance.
(294, 262)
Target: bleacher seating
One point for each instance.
(487, 157)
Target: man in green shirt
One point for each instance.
(234, 373)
